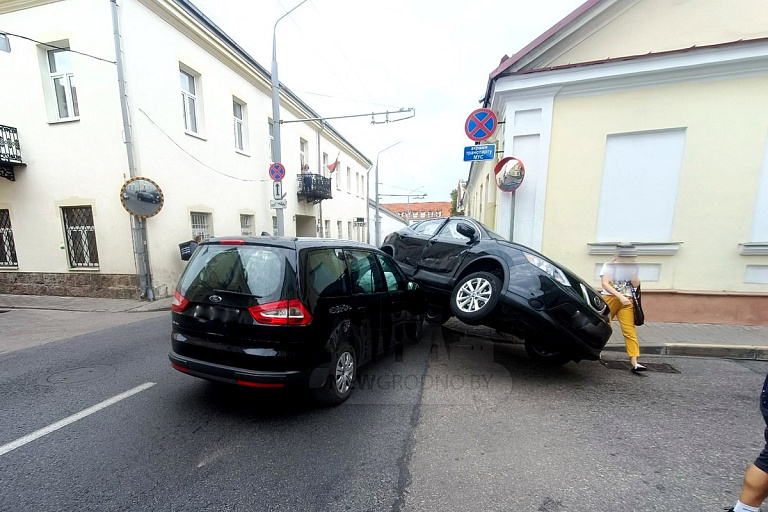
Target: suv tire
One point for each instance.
(341, 377)
(474, 297)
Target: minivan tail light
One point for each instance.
(179, 303)
(283, 312)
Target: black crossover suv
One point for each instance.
(273, 312)
(468, 271)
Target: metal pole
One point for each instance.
(138, 226)
(377, 220)
(276, 111)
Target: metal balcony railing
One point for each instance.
(313, 188)
(10, 151)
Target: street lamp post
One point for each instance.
(377, 220)
(276, 112)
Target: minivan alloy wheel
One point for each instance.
(474, 294)
(345, 372)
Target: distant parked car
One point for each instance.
(150, 197)
(273, 312)
(476, 275)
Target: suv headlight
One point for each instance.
(549, 268)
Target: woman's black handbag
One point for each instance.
(637, 306)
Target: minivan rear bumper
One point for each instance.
(313, 378)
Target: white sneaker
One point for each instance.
(639, 368)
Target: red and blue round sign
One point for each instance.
(277, 171)
(481, 124)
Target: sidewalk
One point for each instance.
(84, 304)
(672, 339)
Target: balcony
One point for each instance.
(313, 188)
(10, 152)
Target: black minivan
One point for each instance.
(276, 312)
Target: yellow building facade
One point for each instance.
(643, 121)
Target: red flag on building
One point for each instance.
(335, 164)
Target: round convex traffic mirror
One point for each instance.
(141, 197)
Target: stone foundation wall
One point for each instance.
(108, 286)
(705, 308)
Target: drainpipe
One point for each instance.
(138, 225)
(319, 171)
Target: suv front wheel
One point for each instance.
(338, 387)
(475, 296)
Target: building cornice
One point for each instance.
(19, 5)
(738, 60)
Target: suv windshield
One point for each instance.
(262, 272)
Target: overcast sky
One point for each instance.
(347, 57)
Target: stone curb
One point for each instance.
(749, 352)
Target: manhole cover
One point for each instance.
(652, 367)
(78, 375)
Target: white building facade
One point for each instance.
(200, 114)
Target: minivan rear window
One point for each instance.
(264, 273)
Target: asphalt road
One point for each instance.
(450, 424)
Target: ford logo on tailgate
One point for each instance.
(214, 298)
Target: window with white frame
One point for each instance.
(641, 170)
(327, 233)
(274, 226)
(357, 184)
(201, 224)
(80, 236)
(349, 182)
(338, 229)
(760, 216)
(246, 225)
(62, 76)
(238, 118)
(349, 230)
(303, 158)
(7, 246)
(189, 89)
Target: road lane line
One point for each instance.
(71, 419)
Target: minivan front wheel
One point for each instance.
(338, 387)
(475, 296)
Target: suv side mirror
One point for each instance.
(466, 230)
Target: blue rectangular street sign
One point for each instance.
(479, 152)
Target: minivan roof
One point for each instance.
(292, 241)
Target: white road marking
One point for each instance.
(71, 419)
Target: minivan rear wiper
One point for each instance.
(230, 292)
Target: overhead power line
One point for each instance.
(57, 47)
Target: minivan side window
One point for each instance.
(326, 272)
(365, 273)
(393, 276)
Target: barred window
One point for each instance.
(201, 224)
(81, 236)
(274, 226)
(7, 246)
(246, 225)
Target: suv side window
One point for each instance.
(393, 276)
(327, 272)
(449, 230)
(365, 273)
(428, 227)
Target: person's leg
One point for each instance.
(755, 488)
(626, 317)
